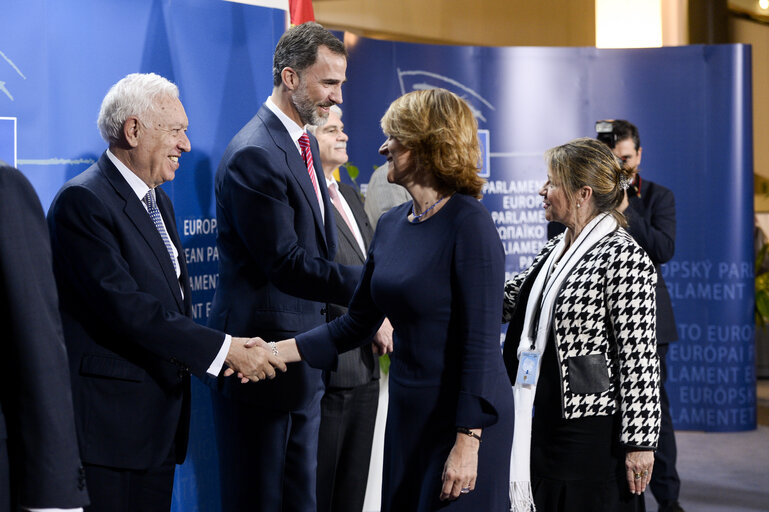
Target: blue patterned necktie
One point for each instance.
(152, 209)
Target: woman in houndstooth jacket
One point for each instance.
(583, 317)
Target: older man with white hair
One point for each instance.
(125, 303)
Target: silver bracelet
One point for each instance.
(274, 347)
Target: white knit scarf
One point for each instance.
(534, 338)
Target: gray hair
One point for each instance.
(333, 108)
(134, 95)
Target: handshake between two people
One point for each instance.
(254, 359)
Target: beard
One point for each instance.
(307, 109)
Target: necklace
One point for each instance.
(416, 218)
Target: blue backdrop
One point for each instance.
(691, 104)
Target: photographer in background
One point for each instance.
(651, 215)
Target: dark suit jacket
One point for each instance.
(358, 366)
(276, 269)
(652, 223)
(131, 340)
(36, 418)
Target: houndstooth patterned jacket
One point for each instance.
(604, 327)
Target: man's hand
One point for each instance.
(383, 339)
(251, 362)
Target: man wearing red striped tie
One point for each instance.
(277, 243)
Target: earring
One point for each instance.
(578, 205)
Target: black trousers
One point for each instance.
(665, 483)
(348, 417)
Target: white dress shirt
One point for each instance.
(295, 132)
(353, 221)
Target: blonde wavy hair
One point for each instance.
(440, 130)
(589, 162)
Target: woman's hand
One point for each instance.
(284, 351)
(461, 467)
(251, 364)
(639, 466)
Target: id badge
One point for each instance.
(527, 368)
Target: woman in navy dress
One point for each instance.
(435, 268)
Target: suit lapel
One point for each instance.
(358, 212)
(330, 228)
(346, 234)
(296, 166)
(139, 217)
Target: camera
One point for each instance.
(605, 131)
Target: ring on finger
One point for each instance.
(636, 476)
(645, 472)
(464, 490)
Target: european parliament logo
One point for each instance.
(420, 79)
(483, 138)
(8, 140)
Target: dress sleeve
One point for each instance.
(321, 346)
(513, 286)
(478, 274)
(630, 298)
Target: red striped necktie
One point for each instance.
(304, 145)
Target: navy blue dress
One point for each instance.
(439, 282)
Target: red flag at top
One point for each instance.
(301, 11)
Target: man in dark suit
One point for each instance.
(39, 462)
(277, 242)
(125, 303)
(349, 404)
(650, 209)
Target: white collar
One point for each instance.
(294, 130)
(137, 185)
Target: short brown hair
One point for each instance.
(589, 162)
(298, 48)
(440, 130)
